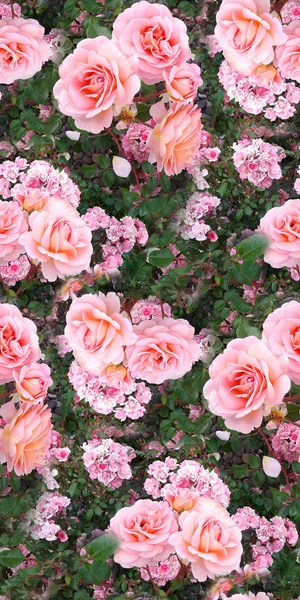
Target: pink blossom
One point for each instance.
(107, 461)
(257, 161)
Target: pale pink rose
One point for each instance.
(281, 225)
(182, 82)
(116, 375)
(25, 439)
(209, 540)
(32, 382)
(22, 49)
(154, 36)
(281, 332)
(250, 596)
(12, 223)
(31, 198)
(97, 332)
(264, 76)
(62, 244)
(165, 349)
(181, 498)
(248, 33)
(288, 55)
(93, 79)
(246, 380)
(175, 139)
(143, 531)
(19, 344)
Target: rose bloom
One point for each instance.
(281, 225)
(154, 36)
(165, 349)
(22, 49)
(25, 439)
(288, 55)
(250, 596)
(62, 244)
(143, 531)
(116, 375)
(97, 332)
(246, 380)
(31, 198)
(175, 139)
(264, 76)
(247, 33)
(182, 82)
(181, 498)
(281, 332)
(19, 344)
(12, 223)
(209, 540)
(32, 382)
(93, 79)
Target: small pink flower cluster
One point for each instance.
(5, 9)
(108, 461)
(257, 161)
(206, 339)
(163, 571)
(14, 271)
(56, 453)
(128, 400)
(199, 206)
(143, 310)
(297, 182)
(286, 442)
(41, 520)
(134, 142)
(28, 562)
(290, 11)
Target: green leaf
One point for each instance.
(240, 471)
(253, 461)
(279, 498)
(243, 328)
(13, 507)
(161, 258)
(252, 247)
(102, 547)
(143, 112)
(11, 558)
(93, 7)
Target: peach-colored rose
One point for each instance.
(19, 344)
(25, 439)
(31, 198)
(246, 380)
(209, 540)
(154, 36)
(97, 332)
(22, 49)
(175, 140)
(62, 244)
(165, 349)
(182, 82)
(143, 531)
(248, 33)
(250, 596)
(181, 498)
(281, 225)
(116, 375)
(32, 382)
(281, 332)
(288, 55)
(264, 76)
(93, 79)
(12, 223)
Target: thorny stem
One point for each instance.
(115, 138)
(142, 99)
(263, 435)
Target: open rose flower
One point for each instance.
(23, 49)
(288, 55)
(32, 382)
(165, 349)
(25, 439)
(19, 344)
(93, 79)
(154, 36)
(62, 244)
(182, 82)
(143, 531)
(175, 139)
(12, 223)
(281, 332)
(248, 33)
(246, 380)
(281, 225)
(97, 332)
(209, 540)
(180, 498)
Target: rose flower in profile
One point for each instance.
(32, 382)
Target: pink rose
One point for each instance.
(250, 596)
(182, 82)
(97, 332)
(209, 540)
(25, 439)
(93, 79)
(281, 225)
(22, 49)
(12, 224)
(247, 33)
(165, 349)
(31, 198)
(265, 76)
(143, 531)
(281, 332)
(19, 344)
(288, 55)
(32, 382)
(61, 243)
(175, 140)
(154, 36)
(180, 498)
(246, 380)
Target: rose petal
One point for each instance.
(223, 435)
(271, 466)
(121, 166)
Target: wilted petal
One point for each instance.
(121, 166)
(271, 466)
(73, 135)
(223, 435)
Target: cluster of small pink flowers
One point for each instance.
(190, 476)
(290, 11)
(56, 39)
(45, 112)
(199, 206)
(14, 271)
(258, 161)
(134, 142)
(28, 562)
(286, 442)
(163, 571)
(297, 182)
(250, 293)
(101, 592)
(206, 340)
(41, 520)
(143, 310)
(178, 262)
(5, 9)
(129, 400)
(108, 461)
(55, 454)
(213, 46)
